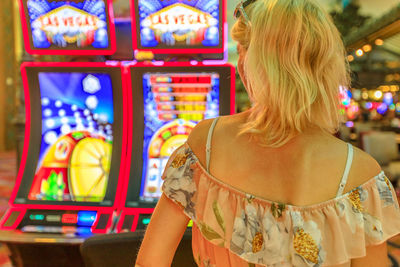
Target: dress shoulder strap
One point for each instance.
(208, 145)
(343, 182)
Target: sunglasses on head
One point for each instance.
(239, 10)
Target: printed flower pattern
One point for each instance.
(353, 218)
(179, 184)
(355, 200)
(373, 227)
(247, 239)
(211, 234)
(277, 209)
(306, 242)
(250, 198)
(258, 242)
(305, 246)
(277, 237)
(356, 216)
(384, 189)
(272, 234)
(179, 160)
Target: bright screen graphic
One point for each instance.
(173, 104)
(67, 24)
(181, 23)
(77, 135)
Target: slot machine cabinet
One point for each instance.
(74, 150)
(166, 101)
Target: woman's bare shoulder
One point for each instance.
(198, 137)
(363, 169)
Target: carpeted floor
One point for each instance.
(8, 171)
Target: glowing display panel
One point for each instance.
(173, 104)
(77, 136)
(68, 25)
(179, 23)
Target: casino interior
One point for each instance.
(97, 94)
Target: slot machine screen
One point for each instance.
(68, 27)
(177, 24)
(174, 101)
(174, 104)
(77, 124)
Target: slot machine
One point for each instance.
(74, 150)
(166, 103)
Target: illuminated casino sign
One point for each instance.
(68, 26)
(179, 17)
(179, 24)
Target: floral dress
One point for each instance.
(232, 228)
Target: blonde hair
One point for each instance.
(294, 65)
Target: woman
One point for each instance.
(272, 186)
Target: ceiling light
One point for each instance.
(379, 42)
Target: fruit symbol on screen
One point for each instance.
(89, 168)
(76, 167)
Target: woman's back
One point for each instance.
(258, 206)
(303, 172)
(302, 178)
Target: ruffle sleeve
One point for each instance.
(265, 233)
(178, 180)
(274, 234)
